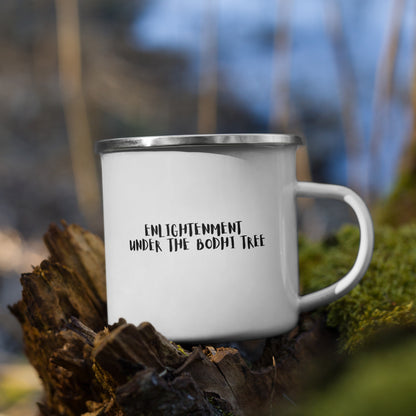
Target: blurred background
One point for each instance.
(341, 73)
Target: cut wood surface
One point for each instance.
(89, 368)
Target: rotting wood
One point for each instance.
(88, 368)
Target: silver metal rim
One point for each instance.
(160, 142)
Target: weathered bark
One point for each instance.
(88, 368)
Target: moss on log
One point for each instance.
(385, 297)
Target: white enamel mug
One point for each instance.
(201, 235)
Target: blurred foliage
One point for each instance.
(378, 381)
(129, 91)
(385, 296)
(399, 207)
(20, 388)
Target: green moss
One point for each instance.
(217, 408)
(385, 296)
(180, 348)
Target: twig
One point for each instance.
(384, 86)
(70, 73)
(280, 116)
(408, 161)
(208, 72)
(347, 85)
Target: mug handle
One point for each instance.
(348, 282)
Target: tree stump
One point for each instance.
(89, 368)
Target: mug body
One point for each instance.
(201, 235)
